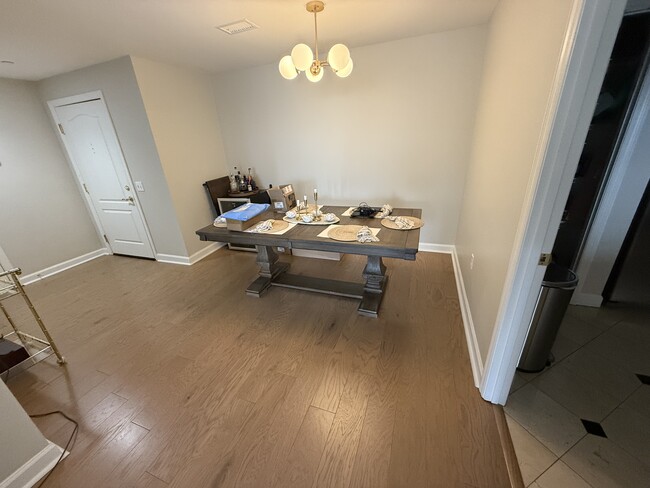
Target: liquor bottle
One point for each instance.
(233, 183)
(251, 185)
(242, 183)
(238, 179)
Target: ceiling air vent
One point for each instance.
(238, 27)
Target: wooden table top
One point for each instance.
(392, 243)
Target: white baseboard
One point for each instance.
(194, 258)
(470, 333)
(429, 247)
(206, 251)
(33, 470)
(172, 259)
(587, 299)
(57, 268)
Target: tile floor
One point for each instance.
(599, 383)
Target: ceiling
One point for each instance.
(48, 37)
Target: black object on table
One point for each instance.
(393, 244)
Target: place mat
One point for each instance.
(417, 223)
(320, 222)
(346, 233)
(279, 228)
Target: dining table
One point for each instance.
(273, 271)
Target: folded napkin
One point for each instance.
(366, 235)
(264, 226)
(385, 211)
(246, 212)
(402, 222)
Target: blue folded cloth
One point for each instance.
(246, 212)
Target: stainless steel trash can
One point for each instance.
(554, 297)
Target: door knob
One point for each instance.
(130, 200)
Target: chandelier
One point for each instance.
(302, 58)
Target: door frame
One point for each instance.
(589, 40)
(95, 95)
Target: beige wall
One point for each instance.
(398, 130)
(181, 108)
(523, 49)
(20, 440)
(118, 84)
(43, 219)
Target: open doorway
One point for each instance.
(585, 419)
(614, 110)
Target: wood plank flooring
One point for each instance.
(178, 379)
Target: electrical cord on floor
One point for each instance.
(68, 445)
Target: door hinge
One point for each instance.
(545, 259)
(61, 129)
(106, 239)
(86, 188)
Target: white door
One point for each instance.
(89, 137)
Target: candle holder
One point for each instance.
(303, 208)
(317, 212)
(305, 214)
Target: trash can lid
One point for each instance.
(558, 276)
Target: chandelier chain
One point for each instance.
(316, 33)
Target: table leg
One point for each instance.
(270, 267)
(373, 289)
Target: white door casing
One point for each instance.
(88, 135)
(590, 38)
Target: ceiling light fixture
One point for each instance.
(302, 58)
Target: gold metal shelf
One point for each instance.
(36, 347)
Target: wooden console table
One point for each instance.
(392, 244)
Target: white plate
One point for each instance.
(320, 222)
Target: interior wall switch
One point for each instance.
(139, 186)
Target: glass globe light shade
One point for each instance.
(314, 78)
(345, 72)
(338, 57)
(302, 57)
(287, 69)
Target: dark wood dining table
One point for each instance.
(400, 244)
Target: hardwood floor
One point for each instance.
(178, 379)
